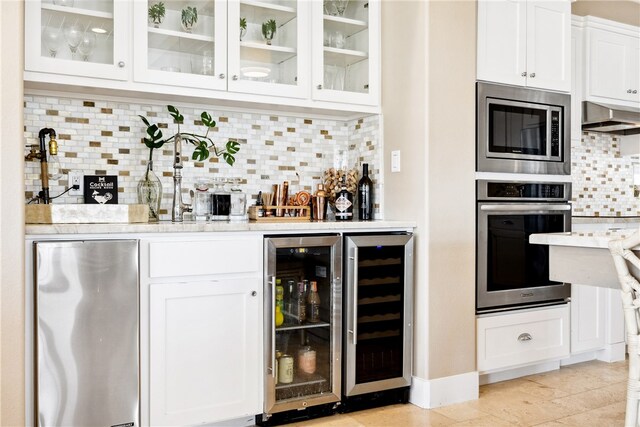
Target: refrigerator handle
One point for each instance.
(354, 308)
(272, 297)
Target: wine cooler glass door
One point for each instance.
(378, 313)
(303, 323)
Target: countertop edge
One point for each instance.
(190, 227)
(598, 239)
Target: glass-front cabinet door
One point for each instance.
(302, 322)
(268, 47)
(78, 37)
(181, 42)
(346, 51)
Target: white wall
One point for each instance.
(11, 215)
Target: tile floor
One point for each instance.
(585, 394)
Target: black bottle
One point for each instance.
(365, 195)
(344, 203)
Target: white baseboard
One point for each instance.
(579, 358)
(510, 374)
(613, 353)
(444, 391)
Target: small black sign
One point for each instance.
(101, 189)
(124, 425)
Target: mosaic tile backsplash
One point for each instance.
(603, 180)
(104, 137)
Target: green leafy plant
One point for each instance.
(203, 143)
(269, 30)
(156, 13)
(243, 23)
(189, 17)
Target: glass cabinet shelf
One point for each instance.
(260, 52)
(343, 57)
(300, 382)
(176, 41)
(78, 11)
(348, 26)
(262, 11)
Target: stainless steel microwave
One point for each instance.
(522, 130)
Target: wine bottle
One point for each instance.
(344, 203)
(365, 195)
(302, 307)
(313, 300)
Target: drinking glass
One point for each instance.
(338, 39)
(73, 34)
(67, 3)
(87, 44)
(52, 39)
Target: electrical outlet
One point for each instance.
(76, 178)
(395, 161)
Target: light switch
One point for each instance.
(395, 161)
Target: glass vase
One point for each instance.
(150, 192)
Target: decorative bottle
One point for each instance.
(301, 303)
(365, 195)
(344, 203)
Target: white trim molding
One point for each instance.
(444, 391)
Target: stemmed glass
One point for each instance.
(52, 38)
(73, 35)
(341, 6)
(87, 44)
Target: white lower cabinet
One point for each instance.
(204, 351)
(512, 339)
(201, 308)
(588, 318)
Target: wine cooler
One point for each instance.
(303, 323)
(378, 314)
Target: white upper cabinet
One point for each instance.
(613, 65)
(526, 43)
(264, 62)
(78, 38)
(346, 51)
(170, 52)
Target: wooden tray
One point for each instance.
(304, 214)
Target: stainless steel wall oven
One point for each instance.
(511, 272)
(522, 130)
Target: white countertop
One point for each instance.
(605, 220)
(583, 239)
(221, 226)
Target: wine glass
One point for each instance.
(52, 38)
(87, 44)
(73, 35)
(340, 6)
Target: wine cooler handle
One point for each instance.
(354, 308)
(272, 297)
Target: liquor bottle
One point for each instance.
(280, 295)
(302, 304)
(344, 203)
(313, 301)
(365, 195)
(290, 299)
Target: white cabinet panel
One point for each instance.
(588, 318)
(522, 337)
(205, 351)
(525, 42)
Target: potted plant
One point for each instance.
(156, 14)
(269, 30)
(189, 18)
(243, 27)
(149, 187)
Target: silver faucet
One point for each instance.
(179, 207)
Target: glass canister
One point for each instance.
(238, 210)
(201, 201)
(220, 200)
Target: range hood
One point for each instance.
(610, 119)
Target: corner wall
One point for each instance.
(429, 69)
(11, 215)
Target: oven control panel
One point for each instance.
(523, 191)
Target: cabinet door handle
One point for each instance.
(221, 75)
(354, 307)
(525, 337)
(254, 293)
(319, 87)
(121, 64)
(272, 298)
(532, 75)
(634, 91)
(524, 74)
(628, 90)
(235, 77)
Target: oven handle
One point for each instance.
(528, 207)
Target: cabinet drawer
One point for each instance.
(531, 336)
(205, 257)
